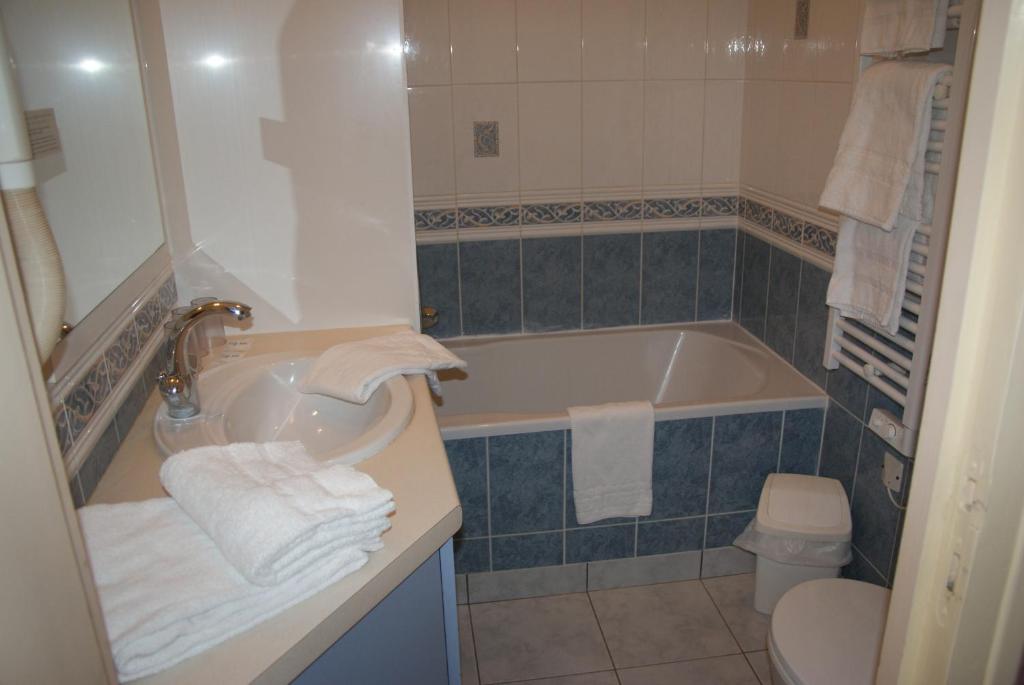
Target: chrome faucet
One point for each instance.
(176, 383)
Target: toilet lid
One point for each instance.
(829, 631)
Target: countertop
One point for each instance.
(414, 467)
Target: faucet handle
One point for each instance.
(429, 316)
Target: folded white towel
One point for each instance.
(612, 453)
(897, 27)
(166, 591)
(352, 371)
(879, 186)
(878, 170)
(273, 510)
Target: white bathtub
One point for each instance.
(525, 383)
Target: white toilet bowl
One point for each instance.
(827, 632)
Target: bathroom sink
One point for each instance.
(257, 400)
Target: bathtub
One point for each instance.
(526, 383)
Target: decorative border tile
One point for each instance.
(553, 213)
(433, 219)
(719, 206)
(760, 214)
(672, 208)
(788, 226)
(476, 217)
(76, 409)
(613, 210)
(820, 239)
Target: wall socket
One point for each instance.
(892, 473)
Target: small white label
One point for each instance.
(43, 135)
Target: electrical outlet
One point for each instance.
(892, 473)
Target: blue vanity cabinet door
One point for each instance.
(404, 639)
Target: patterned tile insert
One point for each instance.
(485, 139)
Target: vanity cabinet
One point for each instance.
(410, 637)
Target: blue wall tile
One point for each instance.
(875, 518)
(682, 450)
(95, 465)
(667, 537)
(526, 474)
(801, 441)
(878, 400)
(737, 282)
(783, 284)
(840, 445)
(669, 277)
(489, 271)
(551, 283)
(715, 290)
(438, 270)
(860, 569)
(527, 551)
(811, 323)
(611, 280)
(848, 389)
(468, 461)
(472, 556)
(746, 450)
(595, 544)
(756, 258)
(723, 530)
(131, 406)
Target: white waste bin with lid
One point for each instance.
(801, 532)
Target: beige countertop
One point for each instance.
(414, 467)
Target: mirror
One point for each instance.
(77, 68)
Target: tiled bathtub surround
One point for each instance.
(516, 491)
(76, 409)
(598, 102)
(573, 282)
(781, 300)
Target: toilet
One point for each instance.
(827, 632)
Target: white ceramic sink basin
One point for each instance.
(256, 400)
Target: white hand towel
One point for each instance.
(897, 27)
(878, 172)
(612, 453)
(272, 509)
(352, 371)
(879, 186)
(166, 591)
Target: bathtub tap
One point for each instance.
(176, 382)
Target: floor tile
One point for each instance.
(759, 662)
(601, 678)
(658, 623)
(734, 597)
(538, 638)
(725, 670)
(467, 652)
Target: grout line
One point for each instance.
(782, 434)
(821, 441)
(696, 294)
(718, 610)
(600, 628)
(490, 536)
(707, 496)
(741, 257)
(767, 295)
(640, 284)
(565, 496)
(472, 634)
(796, 317)
(867, 561)
(856, 465)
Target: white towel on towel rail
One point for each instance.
(166, 591)
(898, 27)
(612, 455)
(273, 510)
(879, 186)
(352, 371)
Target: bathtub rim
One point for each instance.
(463, 426)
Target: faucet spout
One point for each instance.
(177, 386)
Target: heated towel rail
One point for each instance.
(897, 364)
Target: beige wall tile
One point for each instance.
(613, 39)
(676, 31)
(549, 39)
(727, 38)
(549, 136)
(483, 41)
(433, 155)
(612, 134)
(498, 176)
(428, 59)
(673, 130)
(723, 131)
